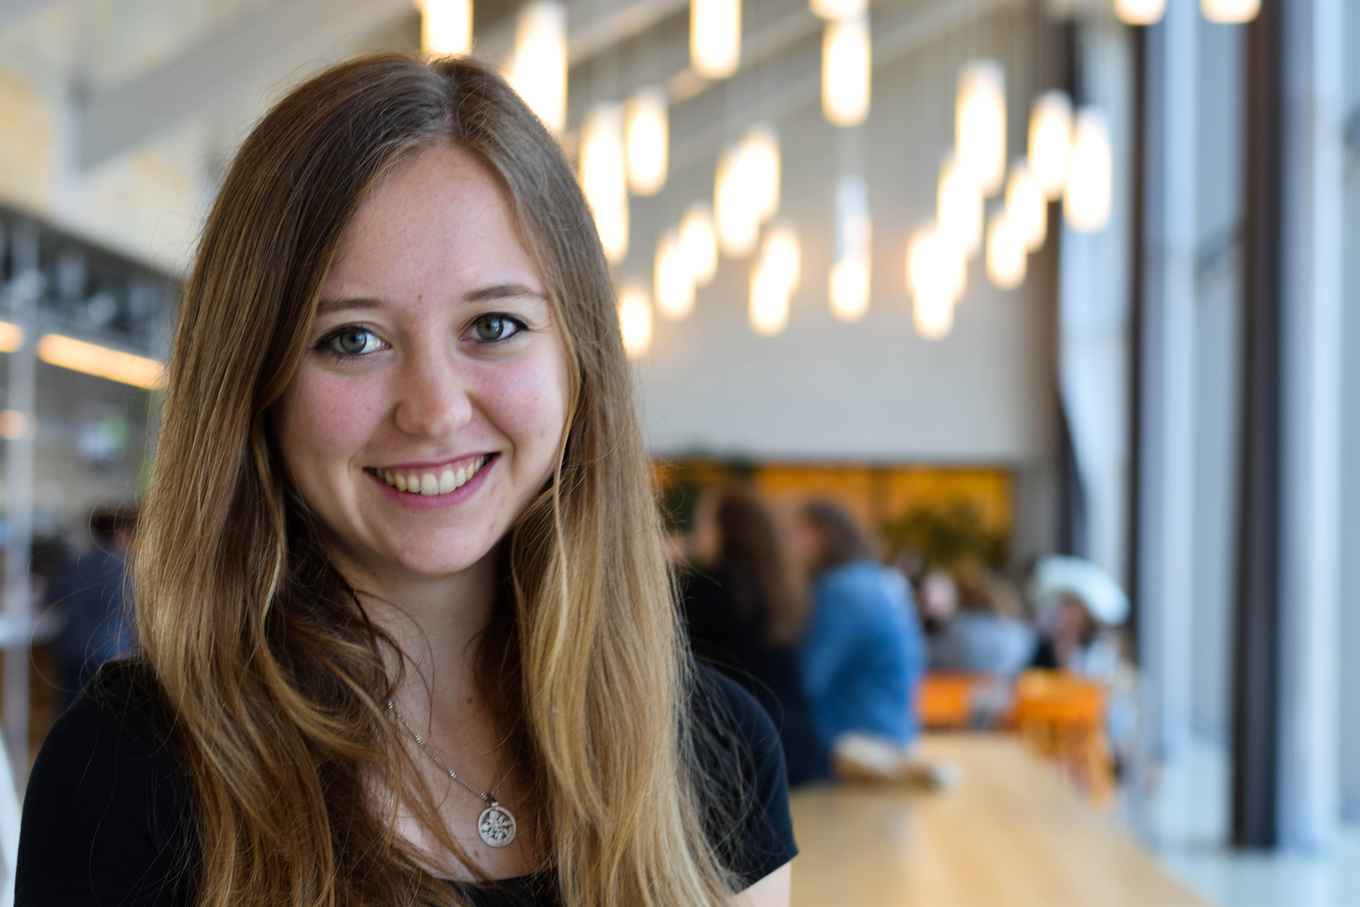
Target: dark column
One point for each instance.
(1256, 654)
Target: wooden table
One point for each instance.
(1012, 833)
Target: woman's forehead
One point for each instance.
(439, 222)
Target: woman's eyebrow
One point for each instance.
(502, 291)
(327, 306)
(481, 294)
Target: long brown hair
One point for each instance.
(756, 565)
(265, 653)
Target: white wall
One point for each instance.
(148, 204)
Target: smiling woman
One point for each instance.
(407, 635)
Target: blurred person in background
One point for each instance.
(1080, 609)
(89, 595)
(406, 631)
(937, 600)
(985, 635)
(745, 611)
(863, 653)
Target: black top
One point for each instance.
(722, 635)
(108, 817)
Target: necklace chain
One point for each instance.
(496, 825)
(485, 796)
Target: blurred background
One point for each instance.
(1049, 298)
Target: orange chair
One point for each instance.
(945, 701)
(1064, 717)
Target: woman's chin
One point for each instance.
(440, 563)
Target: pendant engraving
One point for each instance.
(497, 826)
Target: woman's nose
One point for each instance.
(432, 398)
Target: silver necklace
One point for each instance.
(496, 825)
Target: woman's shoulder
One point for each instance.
(106, 809)
(122, 709)
(742, 766)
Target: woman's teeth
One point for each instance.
(431, 483)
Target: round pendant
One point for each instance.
(497, 826)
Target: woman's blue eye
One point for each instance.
(350, 342)
(495, 328)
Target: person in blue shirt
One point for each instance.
(863, 654)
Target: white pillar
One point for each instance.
(1311, 516)
(1093, 333)
(1166, 480)
(1349, 636)
(23, 291)
(1218, 376)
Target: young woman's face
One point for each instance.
(429, 407)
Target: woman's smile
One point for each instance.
(440, 485)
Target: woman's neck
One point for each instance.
(436, 623)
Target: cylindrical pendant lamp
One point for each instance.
(958, 206)
(635, 321)
(1089, 194)
(1050, 141)
(538, 67)
(602, 164)
(700, 242)
(1026, 207)
(847, 71)
(1139, 12)
(715, 37)
(1006, 264)
(1230, 12)
(647, 134)
(980, 124)
(672, 282)
(445, 27)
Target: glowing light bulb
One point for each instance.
(635, 321)
(1006, 263)
(538, 64)
(603, 167)
(933, 316)
(734, 204)
(1139, 12)
(647, 136)
(1026, 206)
(1230, 12)
(1050, 142)
(850, 288)
(936, 266)
(673, 284)
(769, 306)
(980, 124)
(762, 166)
(847, 71)
(700, 242)
(1089, 194)
(783, 255)
(850, 274)
(958, 206)
(715, 37)
(839, 9)
(445, 26)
